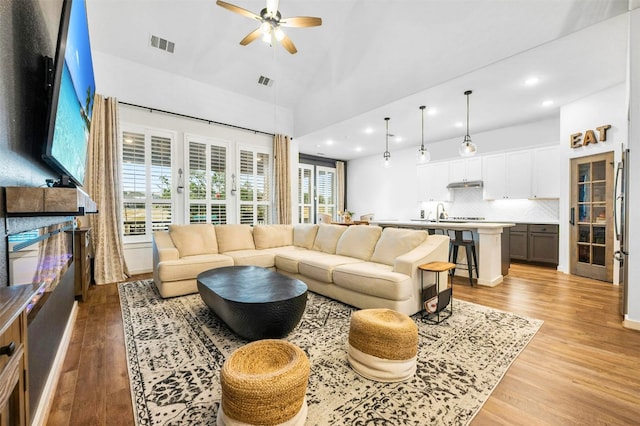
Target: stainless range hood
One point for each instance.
(466, 184)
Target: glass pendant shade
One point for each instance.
(423, 155)
(467, 148)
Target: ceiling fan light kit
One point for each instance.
(467, 148)
(270, 22)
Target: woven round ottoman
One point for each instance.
(264, 383)
(383, 345)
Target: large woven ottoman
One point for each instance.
(264, 383)
(383, 345)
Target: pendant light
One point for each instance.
(423, 155)
(467, 148)
(387, 154)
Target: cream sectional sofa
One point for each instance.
(363, 266)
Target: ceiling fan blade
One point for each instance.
(288, 44)
(237, 9)
(251, 37)
(301, 21)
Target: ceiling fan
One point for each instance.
(270, 22)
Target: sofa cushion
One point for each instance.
(327, 238)
(252, 258)
(304, 235)
(194, 239)
(321, 268)
(289, 260)
(395, 242)
(359, 241)
(234, 237)
(269, 236)
(375, 279)
(189, 267)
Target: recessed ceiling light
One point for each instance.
(459, 124)
(532, 81)
(368, 130)
(318, 146)
(329, 142)
(432, 111)
(547, 103)
(358, 149)
(398, 139)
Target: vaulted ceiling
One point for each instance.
(377, 58)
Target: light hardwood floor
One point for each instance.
(581, 368)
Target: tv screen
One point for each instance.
(72, 94)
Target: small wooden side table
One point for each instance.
(445, 297)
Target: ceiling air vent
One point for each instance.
(265, 81)
(162, 44)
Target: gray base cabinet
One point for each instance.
(534, 243)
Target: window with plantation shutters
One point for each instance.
(207, 162)
(305, 194)
(146, 182)
(254, 185)
(326, 190)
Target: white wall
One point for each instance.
(391, 193)
(143, 85)
(605, 107)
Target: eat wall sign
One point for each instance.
(577, 140)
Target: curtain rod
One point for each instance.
(233, 126)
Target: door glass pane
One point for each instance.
(599, 170)
(599, 213)
(584, 172)
(584, 195)
(584, 233)
(584, 213)
(599, 192)
(599, 234)
(598, 255)
(583, 253)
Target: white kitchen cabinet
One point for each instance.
(465, 169)
(546, 172)
(432, 182)
(507, 176)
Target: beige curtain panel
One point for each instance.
(103, 186)
(282, 177)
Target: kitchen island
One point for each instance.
(492, 244)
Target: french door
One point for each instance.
(592, 217)
(316, 192)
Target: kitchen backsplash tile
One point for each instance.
(469, 203)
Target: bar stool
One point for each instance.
(464, 238)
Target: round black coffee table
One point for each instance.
(256, 303)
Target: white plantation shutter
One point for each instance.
(207, 174)
(325, 190)
(254, 185)
(146, 182)
(305, 194)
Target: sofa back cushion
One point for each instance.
(234, 237)
(269, 236)
(359, 241)
(395, 242)
(304, 235)
(327, 238)
(194, 239)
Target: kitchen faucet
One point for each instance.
(438, 213)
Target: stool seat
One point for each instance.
(264, 383)
(383, 345)
(458, 240)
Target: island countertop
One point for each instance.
(491, 239)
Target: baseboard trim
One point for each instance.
(633, 325)
(48, 392)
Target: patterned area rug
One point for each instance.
(176, 347)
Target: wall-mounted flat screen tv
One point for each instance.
(72, 92)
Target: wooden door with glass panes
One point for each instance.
(591, 217)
